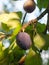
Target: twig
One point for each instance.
(34, 20)
(42, 14)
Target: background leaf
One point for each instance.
(33, 59)
(5, 27)
(41, 5)
(19, 14)
(40, 27)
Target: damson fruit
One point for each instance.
(23, 40)
(29, 6)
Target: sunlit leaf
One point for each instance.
(46, 38)
(15, 32)
(5, 27)
(41, 41)
(7, 16)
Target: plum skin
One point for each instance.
(29, 6)
(23, 40)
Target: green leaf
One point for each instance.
(5, 51)
(15, 32)
(29, 30)
(1, 55)
(41, 41)
(33, 59)
(0, 46)
(11, 57)
(40, 27)
(18, 53)
(41, 5)
(17, 29)
(46, 38)
(19, 14)
(48, 62)
(5, 27)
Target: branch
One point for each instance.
(48, 22)
(34, 20)
(42, 14)
(47, 27)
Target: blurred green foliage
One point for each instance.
(11, 25)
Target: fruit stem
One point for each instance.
(24, 18)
